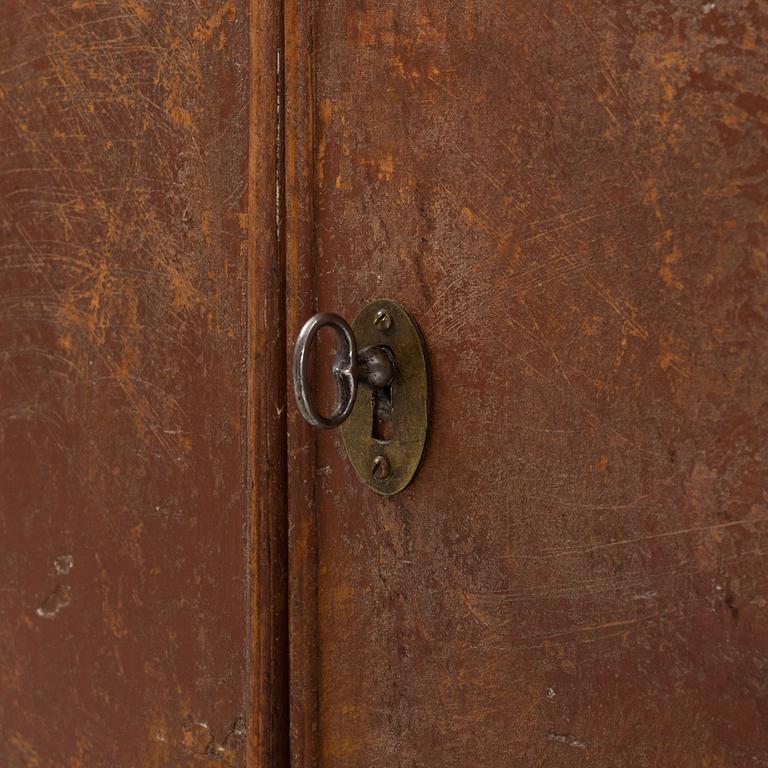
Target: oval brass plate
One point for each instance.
(396, 454)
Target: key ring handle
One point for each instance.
(344, 370)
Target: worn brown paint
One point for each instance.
(571, 199)
(132, 537)
(267, 544)
(298, 99)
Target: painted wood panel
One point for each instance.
(571, 199)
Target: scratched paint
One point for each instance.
(571, 199)
(122, 494)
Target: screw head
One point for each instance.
(381, 468)
(383, 320)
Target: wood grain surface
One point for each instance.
(571, 199)
(130, 547)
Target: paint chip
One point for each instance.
(566, 738)
(59, 599)
(64, 564)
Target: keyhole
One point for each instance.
(383, 427)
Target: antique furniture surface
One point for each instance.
(570, 200)
(127, 522)
(570, 197)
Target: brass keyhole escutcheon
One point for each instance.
(383, 397)
(386, 432)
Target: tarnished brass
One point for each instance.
(388, 465)
(385, 419)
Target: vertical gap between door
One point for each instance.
(265, 411)
(298, 232)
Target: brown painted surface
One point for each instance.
(125, 560)
(301, 438)
(571, 199)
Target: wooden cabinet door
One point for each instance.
(137, 210)
(570, 197)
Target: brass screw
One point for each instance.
(381, 468)
(383, 320)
